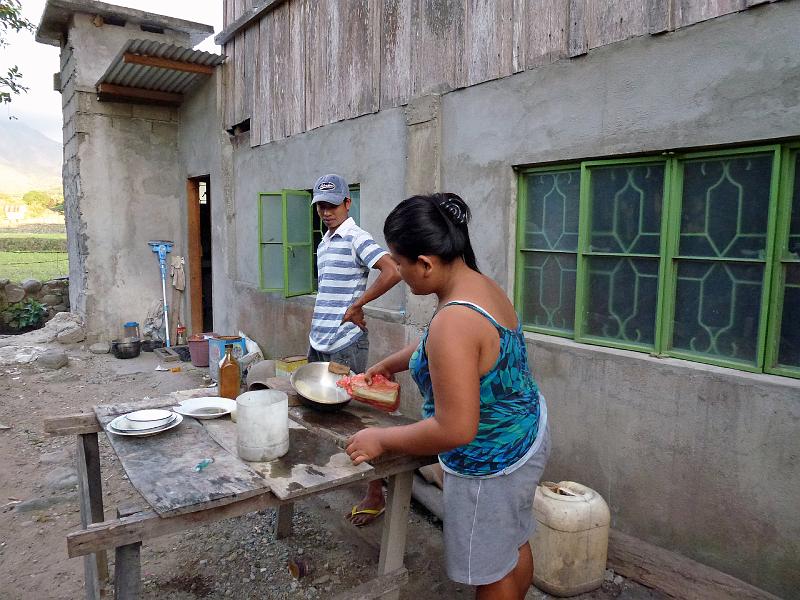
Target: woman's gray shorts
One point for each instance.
(487, 520)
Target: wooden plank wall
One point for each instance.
(339, 60)
(308, 63)
(544, 34)
(279, 97)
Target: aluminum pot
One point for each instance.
(317, 387)
(126, 347)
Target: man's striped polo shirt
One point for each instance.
(343, 262)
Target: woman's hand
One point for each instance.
(365, 445)
(378, 369)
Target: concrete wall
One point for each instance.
(205, 149)
(118, 193)
(698, 459)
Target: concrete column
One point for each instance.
(423, 176)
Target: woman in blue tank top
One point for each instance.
(482, 412)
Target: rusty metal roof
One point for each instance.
(158, 78)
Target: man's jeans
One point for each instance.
(354, 355)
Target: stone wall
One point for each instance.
(53, 294)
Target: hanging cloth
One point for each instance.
(177, 272)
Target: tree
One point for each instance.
(11, 19)
(38, 202)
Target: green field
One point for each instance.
(19, 266)
(44, 236)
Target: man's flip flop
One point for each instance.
(374, 512)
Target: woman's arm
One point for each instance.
(394, 363)
(453, 353)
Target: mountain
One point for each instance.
(28, 159)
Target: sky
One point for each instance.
(40, 108)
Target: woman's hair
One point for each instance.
(434, 225)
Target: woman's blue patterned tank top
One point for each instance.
(509, 405)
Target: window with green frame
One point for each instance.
(693, 255)
(289, 233)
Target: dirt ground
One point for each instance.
(237, 558)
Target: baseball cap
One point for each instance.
(331, 188)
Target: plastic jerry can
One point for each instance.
(570, 545)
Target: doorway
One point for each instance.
(199, 236)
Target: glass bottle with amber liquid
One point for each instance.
(229, 375)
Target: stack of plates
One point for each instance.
(142, 423)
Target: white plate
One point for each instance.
(124, 424)
(144, 433)
(149, 415)
(194, 407)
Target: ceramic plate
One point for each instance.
(124, 424)
(144, 432)
(201, 408)
(150, 414)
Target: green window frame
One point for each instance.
(286, 251)
(289, 232)
(690, 255)
(784, 326)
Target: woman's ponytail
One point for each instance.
(431, 225)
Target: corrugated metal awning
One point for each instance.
(151, 72)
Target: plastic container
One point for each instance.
(130, 330)
(570, 545)
(284, 367)
(198, 350)
(216, 350)
(230, 377)
(262, 425)
(299, 567)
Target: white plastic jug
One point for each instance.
(570, 545)
(262, 425)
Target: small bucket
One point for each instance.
(198, 350)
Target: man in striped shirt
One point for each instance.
(338, 330)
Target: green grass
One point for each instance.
(45, 236)
(19, 266)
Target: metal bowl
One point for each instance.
(317, 387)
(126, 347)
(148, 418)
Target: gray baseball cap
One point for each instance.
(331, 188)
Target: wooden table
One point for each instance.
(161, 469)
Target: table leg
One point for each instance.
(127, 564)
(90, 493)
(128, 572)
(283, 525)
(393, 540)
